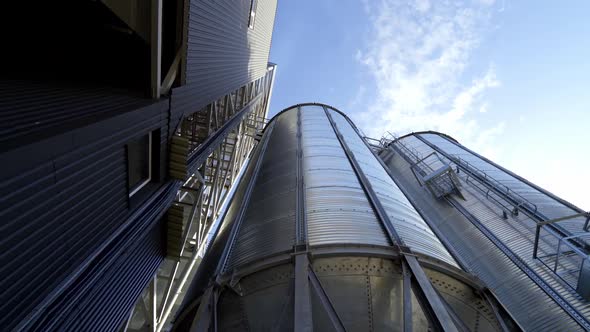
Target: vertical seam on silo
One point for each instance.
(371, 195)
(239, 218)
(301, 231)
(301, 296)
(441, 314)
(369, 300)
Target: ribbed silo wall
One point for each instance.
(303, 199)
(490, 228)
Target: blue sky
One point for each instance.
(510, 79)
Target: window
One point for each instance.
(253, 4)
(139, 163)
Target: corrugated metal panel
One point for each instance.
(61, 204)
(102, 295)
(406, 221)
(338, 210)
(514, 288)
(107, 304)
(31, 111)
(547, 205)
(268, 226)
(222, 52)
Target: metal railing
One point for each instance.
(563, 252)
(492, 184)
(567, 264)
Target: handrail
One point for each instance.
(522, 200)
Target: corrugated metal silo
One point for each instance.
(529, 246)
(319, 237)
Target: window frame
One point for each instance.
(252, 16)
(138, 187)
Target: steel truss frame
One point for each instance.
(216, 142)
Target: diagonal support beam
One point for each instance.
(434, 301)
(204, 316)
(325, 302)
(302, 311)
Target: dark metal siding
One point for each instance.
(106, 304)
(31, 111)
(221, 50)
(62, 199)
(66, 221)
(223, 54)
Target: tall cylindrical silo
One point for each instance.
(319, 237)
(530, 247)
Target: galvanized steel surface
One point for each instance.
(525, 301)
(337, 210)
(545, 204)
(517, 234)
(268, 226)
(407, 222)
(354, 271)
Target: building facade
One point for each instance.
(124, 123)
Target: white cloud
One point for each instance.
(357, 100)
(417, 58)
(483, 108)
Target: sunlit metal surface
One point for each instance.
(492, 226)
(411, 227)
(307, 244)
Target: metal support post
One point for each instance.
(434, 301)
(156, 48)
(325, 302)
(152, 305)
(407, 294)
(536, 245)
(302, 311)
